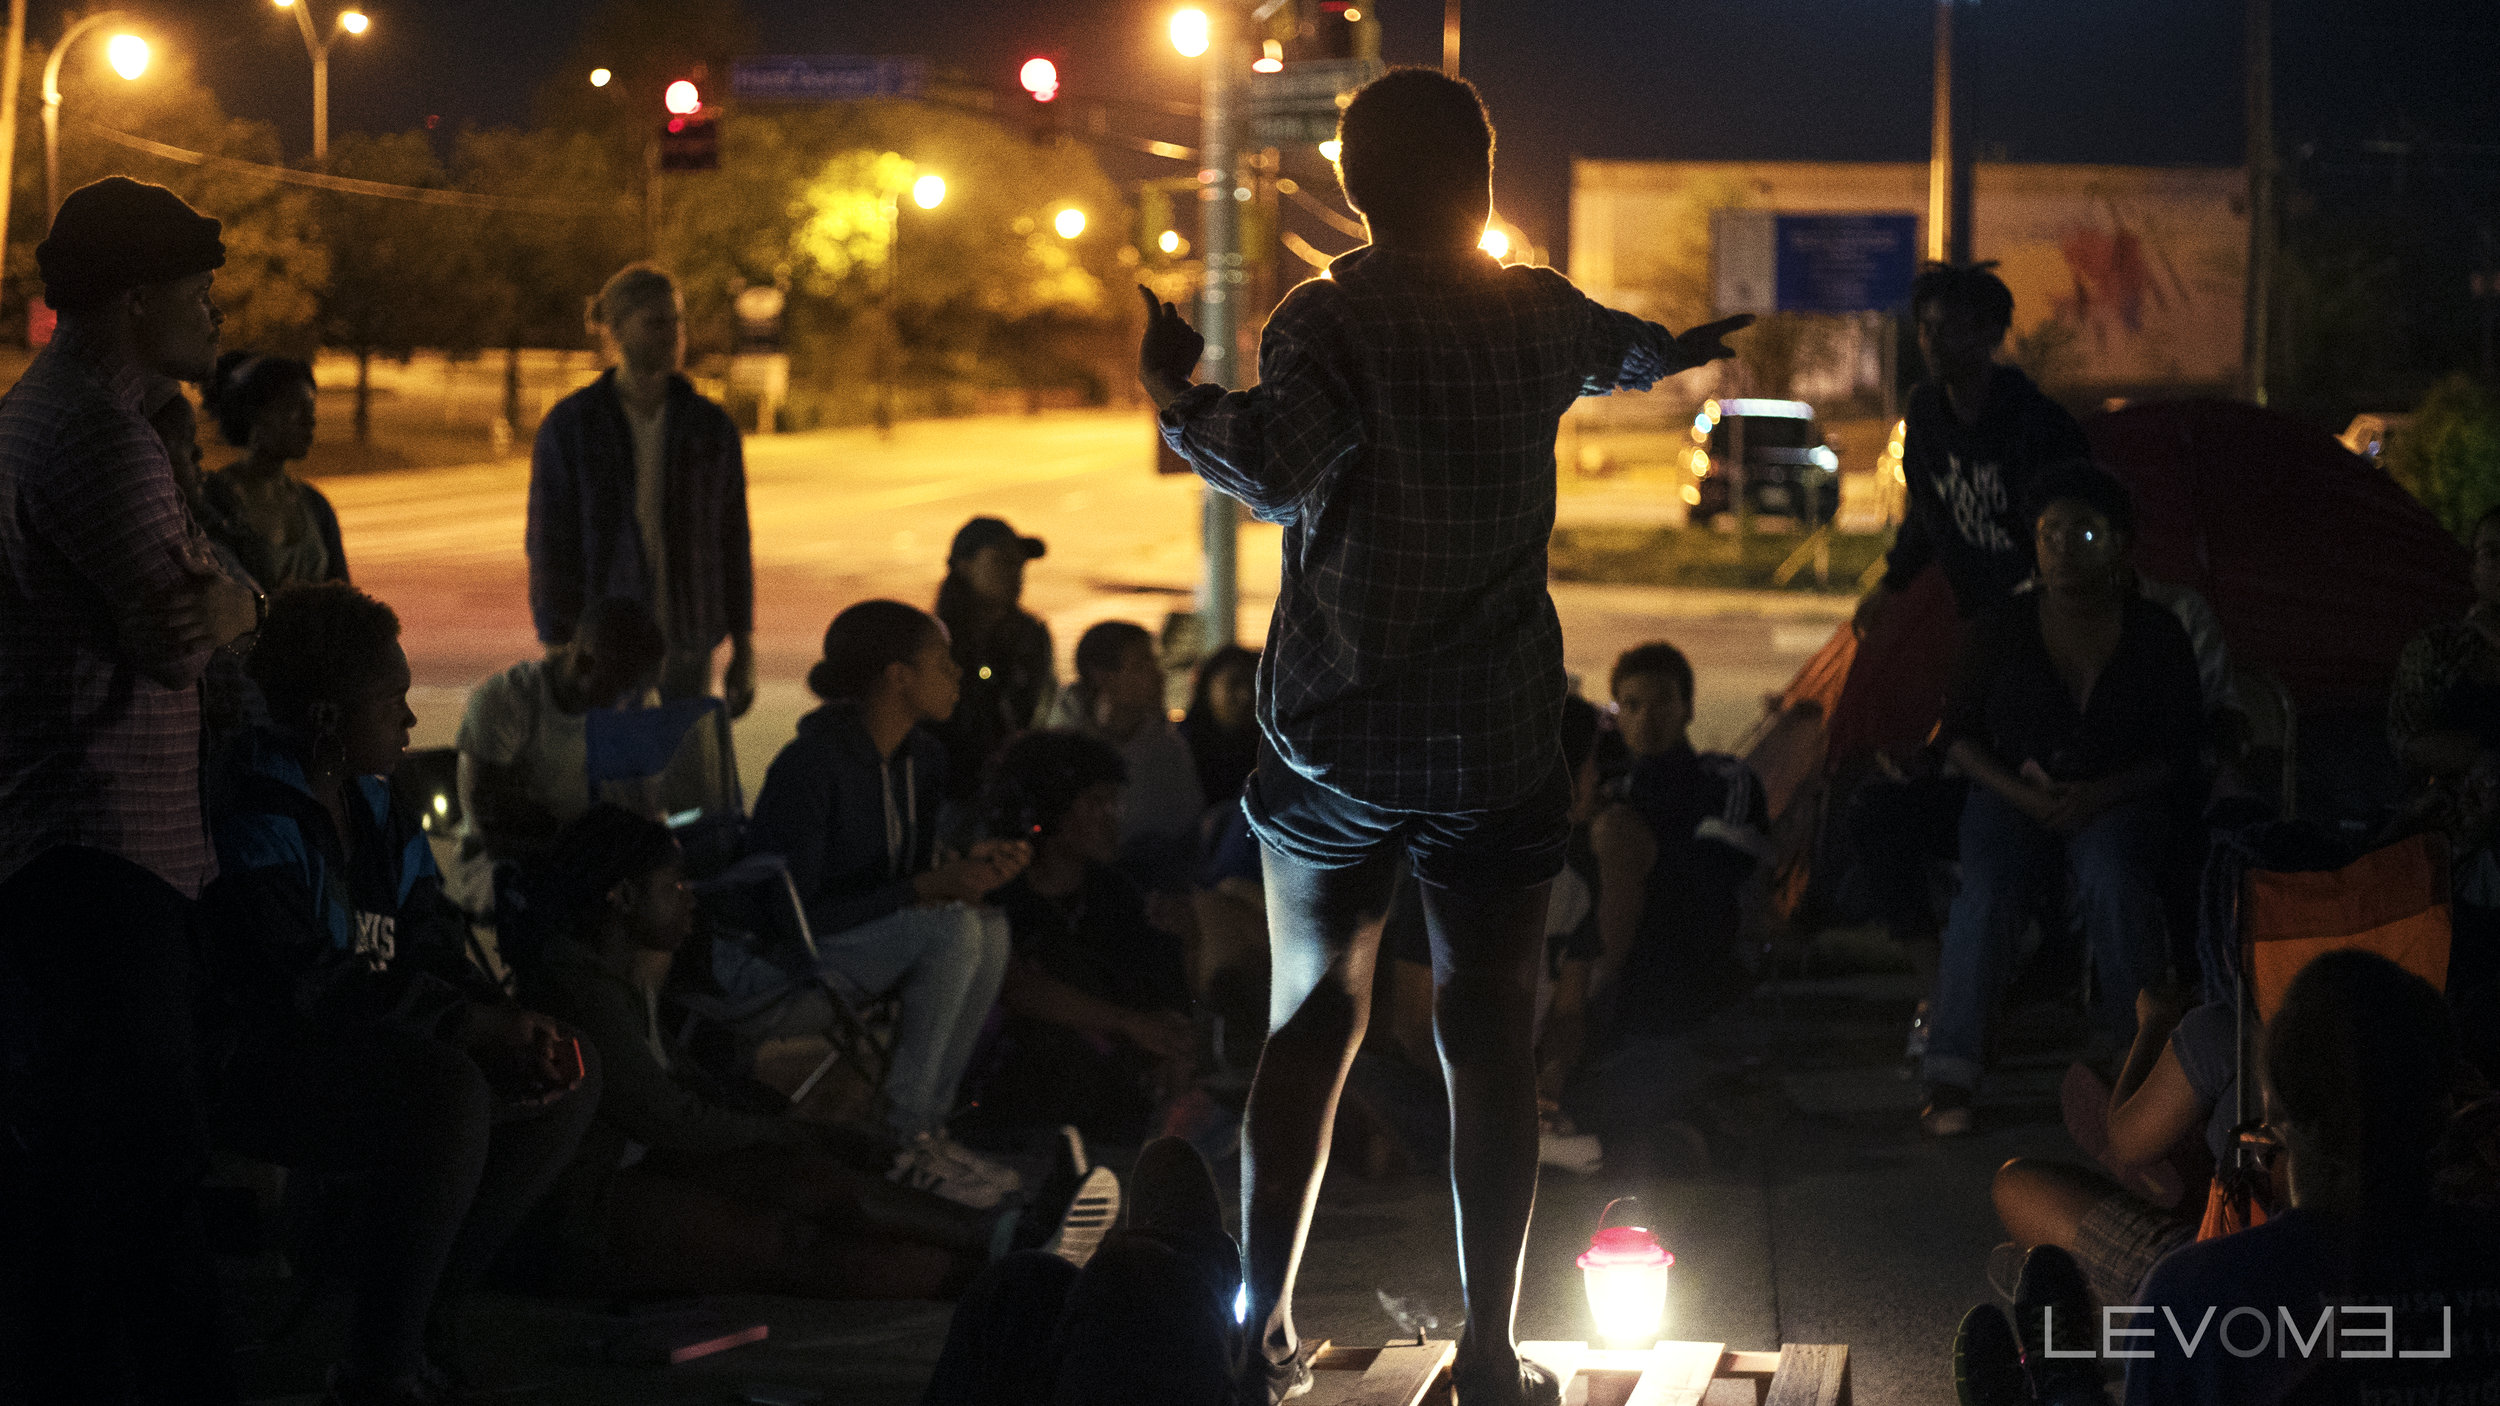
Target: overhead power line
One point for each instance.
(287, 175)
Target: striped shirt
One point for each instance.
(92, 528)
(1403, 432)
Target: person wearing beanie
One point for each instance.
(638, 487)
(110, 605)
(731, 1193)
(852, 805)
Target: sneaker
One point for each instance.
(1007, 1179)
(1914, 1049)
(1173, 1191)
(1267, 1382)
(2051, 1298)
(1948, 1111)
(922, 1166)
(1536, 1386)
(1090, 1217)
(1988, 1361)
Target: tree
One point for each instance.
(2449, 457)
(399, 269)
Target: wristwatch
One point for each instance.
(241, 645)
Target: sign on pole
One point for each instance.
(1298, 105)
(1763, 262)
(828, 78)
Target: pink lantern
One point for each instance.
(1625, 1272)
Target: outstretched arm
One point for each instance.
(1271, 445)
(1168, 355)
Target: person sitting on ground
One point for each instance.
(524, 761)
(2359, 1059)
(1680, 837)
(263, 405)
(1010, 673)
(356, 1034)
(1144, 1318)
(1118, 697)
(2180, 1083)
(1098, 1030)
(2443, 720)
(730, 1194)
(852, 805)
(2075, 711)
(1393, 1074)
(1222, 725)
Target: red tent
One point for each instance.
(2319, 565)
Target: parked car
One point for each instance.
(2369, 435)
(1789, 470)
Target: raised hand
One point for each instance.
(1169, 352)
(1703, 345)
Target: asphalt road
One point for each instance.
(844, 515)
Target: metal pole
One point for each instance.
(10, 62)
(321, 105)
(1940, 143)
(51, 157)
(1449, 38)
(2261, 233)
(1219, 590)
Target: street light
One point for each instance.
(128, 53)
(1069, 222)
(1495, 242)
(599, 77)
(927, 191)
(350, 21)
(1189, 32)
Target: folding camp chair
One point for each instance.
(641, 744)
(763, 959)
(2392, 901)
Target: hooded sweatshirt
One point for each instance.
(855, 828)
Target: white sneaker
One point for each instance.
(923, 1165)
(972, 1164)
(1090, 1217)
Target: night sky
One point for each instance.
(2129, 81)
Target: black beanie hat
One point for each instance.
(118, 233)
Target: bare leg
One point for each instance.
(2042, 1202)
(1485, 950)
(1324, 935)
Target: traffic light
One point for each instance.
(690, 139)
(1040, 78)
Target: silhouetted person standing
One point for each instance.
(638, 488)
(110, 604)
(1410, 699)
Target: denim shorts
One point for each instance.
(1519, 846)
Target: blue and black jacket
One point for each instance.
(303, 931)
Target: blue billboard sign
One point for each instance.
(1844, 263)
(827, 78)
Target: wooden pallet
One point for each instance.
(1669, 1374)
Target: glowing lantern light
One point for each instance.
(1625, 1272)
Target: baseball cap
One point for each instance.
(984, 532)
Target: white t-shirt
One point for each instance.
(650, 436)
(513, 720)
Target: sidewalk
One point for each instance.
(1825, 1217)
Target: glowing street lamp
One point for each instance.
(927, 191)
(1189, 32)
(600, 77)
(127, 53)
(1625, 1272)
(1069, 222)
(1169, 242)
(1495, 242)
(350, 22)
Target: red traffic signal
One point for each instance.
(683, 99)
(1040, 77)
(690, 143)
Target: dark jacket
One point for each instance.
(1707, 813)
(301, 931)
(1969, 487)
(1009, 678)
(823, 809)
(584, 543)
(2145, 705)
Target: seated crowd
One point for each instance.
(979, 927)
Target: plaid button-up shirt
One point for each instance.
(92, 751)
(1403, 432)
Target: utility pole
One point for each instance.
(10, 62)
(1449, 38)
(1219, 208)
(2259, 298)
